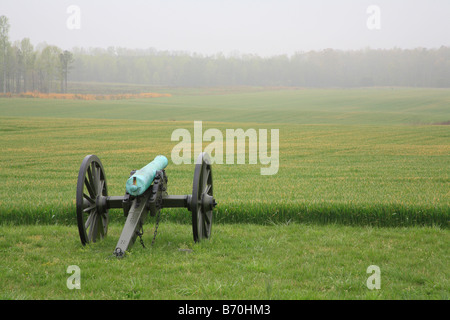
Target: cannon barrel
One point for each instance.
(141, 180)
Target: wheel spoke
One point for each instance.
(89, 220)
(88, 198)
(93, 230)
(207, 217)
(199, 186)
(89, 187)
(101, 186)
(89, 208)
(205, 179)
(204, 176)
(94, 177)
(91, 179)
(97, 180)
(104, 224)
(207, 189)
(100, 227)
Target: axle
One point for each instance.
(168, 201)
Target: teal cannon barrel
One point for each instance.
(141, 180)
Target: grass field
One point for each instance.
(374, 160)
(241, 261)
(385, 106)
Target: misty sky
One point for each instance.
(263, 27)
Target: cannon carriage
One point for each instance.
(146, 194)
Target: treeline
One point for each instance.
(25, 68)
(46, 68)
(369, 67)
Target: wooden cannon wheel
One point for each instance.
(202, 202)
(92, 214)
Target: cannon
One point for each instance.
(145, 193)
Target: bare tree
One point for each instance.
(4, 44)
(29, 57)
(65, 60)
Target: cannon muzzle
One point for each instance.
(141, 180)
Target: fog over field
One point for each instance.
(265, 28)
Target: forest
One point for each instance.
(47, 68)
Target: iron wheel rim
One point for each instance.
(92, 218)
(202, 185)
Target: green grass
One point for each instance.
(366, 175)
(363, 180)
(302, 106)
(294, 261)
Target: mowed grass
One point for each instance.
(370, 175)
(381, 106)
(240, 261)
(363, 180)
